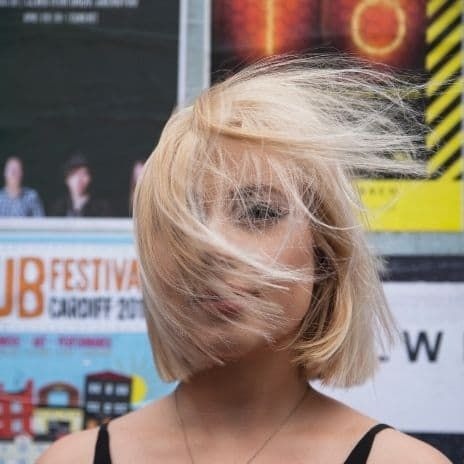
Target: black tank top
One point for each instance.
(358, 455)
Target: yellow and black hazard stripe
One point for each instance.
(444, 110)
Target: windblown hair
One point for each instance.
(314, 124)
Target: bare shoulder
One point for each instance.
(79, 447)
(74, 448)
(391, 445)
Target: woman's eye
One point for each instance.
(261, 215)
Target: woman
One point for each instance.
(256, 274)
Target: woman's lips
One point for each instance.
(226, 307)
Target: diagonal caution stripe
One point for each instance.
(435, 55)
(439, 39)
(455, 49)
(444, 87)
(443, 20)
(446, 152)
(434, 5)
(446, 165)
(444, 100)
(453, 171)
(438, 132)
(445, 72)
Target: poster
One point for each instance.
(87, 86)
(418, 387)
(73, 345)
(422, 37)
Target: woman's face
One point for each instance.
(78, 180)
(260, 223)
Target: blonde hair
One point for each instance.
(315, 123)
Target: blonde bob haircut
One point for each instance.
(313, 124)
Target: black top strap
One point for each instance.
(102, 447)
(358, 455)
(361, 451)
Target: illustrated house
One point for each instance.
(52, 420)
(16, 412)
(107, 395)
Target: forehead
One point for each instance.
(245, 170)
(13, 163)
(79, 170)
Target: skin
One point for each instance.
(229, 411)
(78, 182)
(137, 171)
(13, 174)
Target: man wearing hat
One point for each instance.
(79, 201)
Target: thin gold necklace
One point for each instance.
(268, 439)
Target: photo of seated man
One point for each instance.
(79, 200)
(15, 199)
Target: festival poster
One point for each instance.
(422, 37)
(87, 86)
(73, 345)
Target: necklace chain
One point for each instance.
(266, 441)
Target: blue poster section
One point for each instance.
(52, 384)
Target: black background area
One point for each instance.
(105, 90)
(451, 445)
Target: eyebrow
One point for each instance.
(257, 188)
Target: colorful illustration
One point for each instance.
(107, 395)
(16, 408)
(50, 421)
(83, 381)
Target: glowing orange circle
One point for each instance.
(400, 32)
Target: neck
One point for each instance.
(79, 200)
(13, 190)
(254, 390)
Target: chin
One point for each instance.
(233, 347)
(246, 346)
